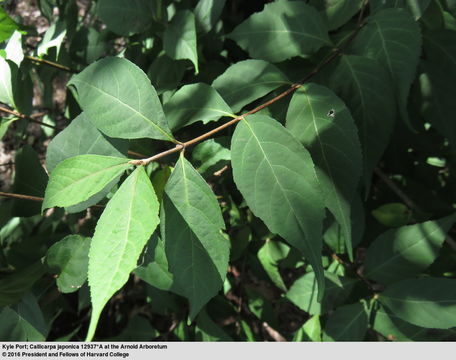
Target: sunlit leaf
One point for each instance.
(120, 101)
(191, 224)
(126, 224)
(78, 178)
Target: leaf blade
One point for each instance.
(125, 226)
(323, 124)
(197, 252)
(132, 111)
(261, 140)
(78, 178)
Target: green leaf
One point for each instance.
(407, 251)
(138, 329)
(125, 226)
(179, 38)
(347, 323)
(125, 17)
(392, 37)
(195, 102)
(282, 30)
(212, 154)
(207, 13)
(395, 329)
(337, 12)
(208, 330)
(416, 7)
(365, 87)
(438, 80)
(276, 176)
(14, 286)
(427, 302)
(7, 25)
(310, 331)
(53, 37)
(69, 258)
(334, 236)
(159, 180)
(7, 79)
(323, 124)
(4, 124)
(23, 322)
(247, 81)
(79, 138)
(118, 98)
(29, 179)
(191, 223)
(13, 49)
(154, 267)
(78, 178)
(392, 214)
(303, 293)
(166, 73)
(269, 255)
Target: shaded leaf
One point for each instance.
(276, 176)
(366, 88)
(195, 102)
(154, 267)
(337, 12)
(282, 30)
(212, 154)
(392, 214)
(23, 322)
(126, 224)
(416, 7)
(323, 124)
(29, 179)
(407, 251)
(208, 330)
(120, 101)
(269, 255)
(14, 286)
(179, 38)
(438, 81)
(428, 302)
(347, 323)
(303, 293)
(78, 178)
(138, 329)
(166, 73)
(247, 81)
(191, 223)
(393, 38)
(395, 329)
(69, 258)
(125, 17)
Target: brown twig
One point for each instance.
(20, 196)
(51, 63)
(181, 146)
(30, 118)
(273, 333)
